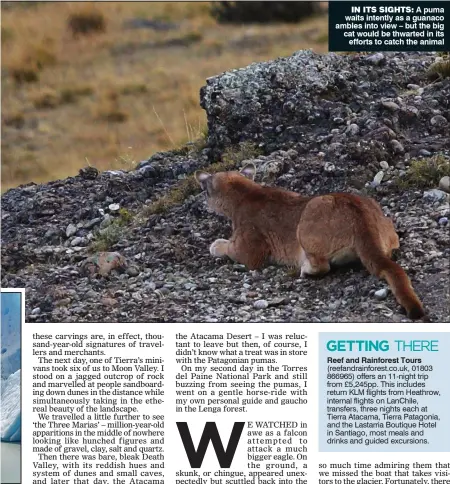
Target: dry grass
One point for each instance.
(97, 95)
(440, 69)
(231, 158)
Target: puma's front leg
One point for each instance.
(219, 248)
(246, 248)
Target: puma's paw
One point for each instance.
(219, 248)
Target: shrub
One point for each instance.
(86, 21)
(71, 94)
(15, 120)
(109, 109)
(32, 60)
(426, 173)
(440, 69)
(46, 99)
(24, 73)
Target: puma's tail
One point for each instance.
(380, 265)
(403, 291)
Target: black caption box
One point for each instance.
(389, 26)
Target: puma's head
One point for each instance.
(218, 186)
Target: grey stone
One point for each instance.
(381, 294)
(444, 184)
(261, 304)
(438, 121)
(390, 105)
(375, 59)
(378, 178)
(77, 241)
(435, 195)
(71, 230)
(132, 271)
(397, 146)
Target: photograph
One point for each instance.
(12, 311)
(222, 162)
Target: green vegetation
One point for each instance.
(105, 238)
(425, 173)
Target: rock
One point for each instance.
(89, 173)
(378, 178)
(329, 167)
(279, 301)
(36, 311)
(381, 294)
(149, 285)
(443, 221)
(390, 105)
(397, 147)
(92, 223)
(189, 286)
(109, 301)
(376, 59)
(77, 241)
(434, 195)
(384, 165)
(132, 271)
(261, 304)
(71, 230)
(103, 263)
(444, 184)
(352, 130)
(413, 87)
(438, 121)
(425, 153)
(63, 302)
(114, 207)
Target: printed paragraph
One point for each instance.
(384, 394)
(97, 408)
(405, 26)
(227, 373)
(384, 473)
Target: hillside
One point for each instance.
(374, 124)
(125, 91)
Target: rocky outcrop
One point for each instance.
(316, 124)
(365, 108)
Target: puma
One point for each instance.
(310, 233)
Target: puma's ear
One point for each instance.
(249, 171)
(201, 177)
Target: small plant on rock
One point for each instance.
(426, 173)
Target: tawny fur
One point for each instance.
(310, 233)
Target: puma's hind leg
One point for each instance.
(313, 265)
